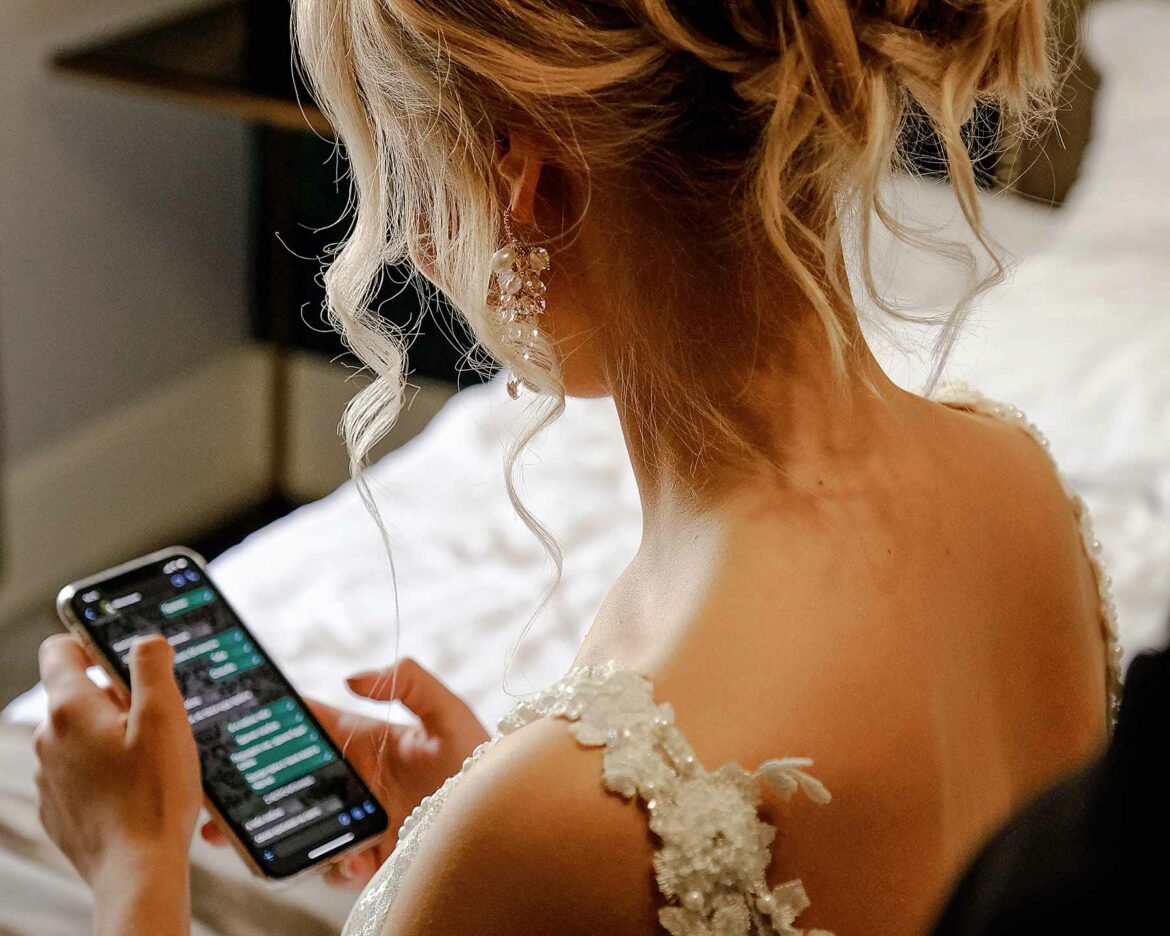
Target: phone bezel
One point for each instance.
(78, 629)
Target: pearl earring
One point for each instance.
(516, 293)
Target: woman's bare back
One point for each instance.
(925, 625)
(936, 647)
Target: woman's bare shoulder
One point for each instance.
(1012, 455)
(530, 842)
(1015, 488)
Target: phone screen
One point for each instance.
(268, 766)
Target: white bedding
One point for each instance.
(1080, 339)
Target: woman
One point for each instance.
(646, 198)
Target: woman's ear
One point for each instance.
(520, 165)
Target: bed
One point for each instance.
(1079, 338)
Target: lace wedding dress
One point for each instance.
(713, 848)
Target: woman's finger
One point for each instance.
(367, 742)
(437, 707)
(154, 694)
(353, 871)
(331, 719)
(63, 663)
(119, 696)
(339, 876)
(212, 834)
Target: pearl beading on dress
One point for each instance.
(368, 916)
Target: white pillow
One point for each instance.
(1080, 338)
(1123, 185)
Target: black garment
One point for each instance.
(1092, 854)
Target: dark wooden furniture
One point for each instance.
(232, 57)
(236, 58)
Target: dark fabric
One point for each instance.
(1092, 854)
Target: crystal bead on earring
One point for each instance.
(516, 293)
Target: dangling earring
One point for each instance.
(516, 293)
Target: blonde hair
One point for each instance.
(763, 117)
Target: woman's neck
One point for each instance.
(825, 429)
(813, 421)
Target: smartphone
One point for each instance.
(272, 776)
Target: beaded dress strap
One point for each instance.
(714, 846)
(964, 397)
(369, 912)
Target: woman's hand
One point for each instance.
(120, 788)
(401, 763)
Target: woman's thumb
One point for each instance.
(154, 694)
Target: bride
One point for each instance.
(886, 608)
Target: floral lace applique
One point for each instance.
(714, 846)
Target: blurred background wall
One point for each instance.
(164, 374)
(124, 222)
(122, 272)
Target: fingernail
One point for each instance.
(362, 676)
(145, 643)
(346, 869)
